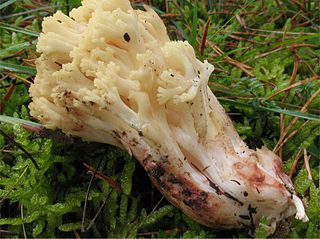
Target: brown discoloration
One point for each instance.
(195, 199)
(76, 112)
(156, 173)
(133, 142)
(186, 192)
(116, 133)
(238, 165)
(78, 127)
(173, 179)
(193, 203)
(277, 164)
(251, 173)
(179, 188)
(206, 207)
(203, 195)
(164, 157)
(146, 159)
(182, 192)
(67, 93)
(257, 177)
(123, 135)
(252, 210)
(215, 187)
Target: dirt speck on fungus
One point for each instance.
(126, 37)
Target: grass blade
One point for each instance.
(7, 3)
(293, 113)
(13, 49)
(194, 31)
(295, 40)
(13, 120)
(18, 29)
(39, 9)
(17, 68)
(315, 151)
(220, 58)
(276, 110)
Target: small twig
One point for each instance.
(21, 148)
(87, 196)
(293, 122)
(279, 5)
(30, 62)
(7, 96)
(252, 34)
(238, 64)
(45, 9)
(303, 110)
(23, 227)
(181, 13)
(283, 48)
(312, 71)
(7, 232)
(223, 12)
(77, 236)
(281, 135)
(29, 6)
(282, 128)
(167, 5)
(204, 38)
(169, 15)
(281, 32)
(305, 45)
(295, 66)
(4, 87)
(241, 21)
(295, 16)
(291, 87)
(155, 207)
(13, 186)
(19, 77)
(170, 231)
(295, 162)
(299, 4)
(103, 177)
(293, 133)
(306, 163)
(6, 151)
(95, 216)
(246, 39)
(2, 79)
